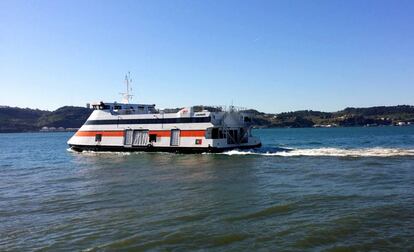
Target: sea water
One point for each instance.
(336, 189)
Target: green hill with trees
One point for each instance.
(14, 119)
(349, 117)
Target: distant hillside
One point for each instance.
(349, 117)
(14, 119)
(20, 120)
(399, 110)
(66, 117)
(26, 119)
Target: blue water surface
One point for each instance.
(336, 189)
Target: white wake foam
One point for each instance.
(316, 152)
(332, 152)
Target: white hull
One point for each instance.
(185, 131)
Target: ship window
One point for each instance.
(153, 137)
(103, 107)
(233, 137)
(215, 133)
(221, 134)
(98, 137)
(117, 107)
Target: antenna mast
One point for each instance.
(127, 96)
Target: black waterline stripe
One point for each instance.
(150, 121)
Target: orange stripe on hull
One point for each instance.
(159, 133)
(183, 133)
(103, 133)
(193, 133)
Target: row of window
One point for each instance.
(103, 106)
(217, 133)
(220, 133)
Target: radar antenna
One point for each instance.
(127, 96)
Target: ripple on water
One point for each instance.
(273, 210)
(190, 218)
(172, 240)
(327, 235)
(374, 226)
(305, 197)
(185, 218)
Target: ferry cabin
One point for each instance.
(141, 127)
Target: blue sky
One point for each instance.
(273, 56)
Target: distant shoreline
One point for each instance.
(70, 118)
(265, 128)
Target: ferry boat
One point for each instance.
(141, 127)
